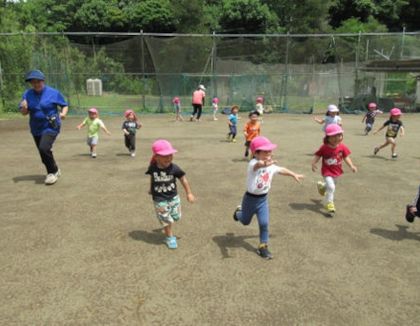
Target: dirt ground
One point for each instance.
(88, 250)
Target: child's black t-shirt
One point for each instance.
(164, 181)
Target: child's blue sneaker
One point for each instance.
(171, 242)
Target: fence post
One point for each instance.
(286, 75)
(402, 43)
(143, 78)
(213, 64)
(3, 102)
(356, 72)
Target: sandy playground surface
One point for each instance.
(88, 250)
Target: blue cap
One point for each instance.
(34, 74)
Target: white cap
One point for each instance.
(333, 108)
(201, 87)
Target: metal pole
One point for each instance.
(356, 73)
(286, 75)
(213, 64)
(3, 102)
(402, 43)
(142, 70)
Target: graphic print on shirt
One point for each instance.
(334, 160)
(163, 183)
(263, 180)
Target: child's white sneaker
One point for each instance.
(133, 154)
(93, 154)
(51, 178)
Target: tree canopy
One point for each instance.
(206, 16)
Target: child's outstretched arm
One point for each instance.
(378, 130)
(364, 118)
(187, 188)
(349, 162)
(81, 125)
(402, 131)
(103, 127)
(319, 120)
(287, 172)
(314, 162)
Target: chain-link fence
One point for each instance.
(143, 71)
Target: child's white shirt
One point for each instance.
(259, 108)
(331, 120)
(259, 181)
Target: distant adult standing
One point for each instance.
(198, 102)
(46, 107)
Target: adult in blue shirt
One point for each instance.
(46, 107)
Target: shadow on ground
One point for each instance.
(315, 206)
(397, 235)
(37, 178)
(229, 240)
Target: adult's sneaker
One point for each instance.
(264, 252)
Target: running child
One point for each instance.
(129, 127)
(176, 101)
(215, 106)
(369, 117)
(94, 124)
(331, 117)
(232, 122)
(251, 130)
(413, 210)
(259, 107)
(163, 174)
(394, 125)
(261, 170)
(332, 152)
(198, 98)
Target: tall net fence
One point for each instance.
(143, 71)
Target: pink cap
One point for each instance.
(176, 100)
(93, 110)
(333, 108)
(215, 100)
(128, 112)
(261, 143)
(333, 130)
(372, 105)
(163, 147)
(395, 112)
(260, 99)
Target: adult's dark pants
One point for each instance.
(130, 142)
(198, 108)
(44, 144)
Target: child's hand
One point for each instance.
(190, 198)
(314, 167)
(269, 162)
(62, 115)
(298, 177)
(79, 127)
(126, 132)
(24, 104)
(353, 168)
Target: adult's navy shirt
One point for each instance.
(42, 107)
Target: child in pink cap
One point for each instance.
(369, 117)
(215, 106)
(129, 127)
(94, 124)
(394, 125)
(332, 152)
(261, 170)
(176, 101)
(163, 174)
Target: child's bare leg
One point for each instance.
(168, 230)
(93, 148)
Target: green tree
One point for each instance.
(247, 16)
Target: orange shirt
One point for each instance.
(252, 130)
